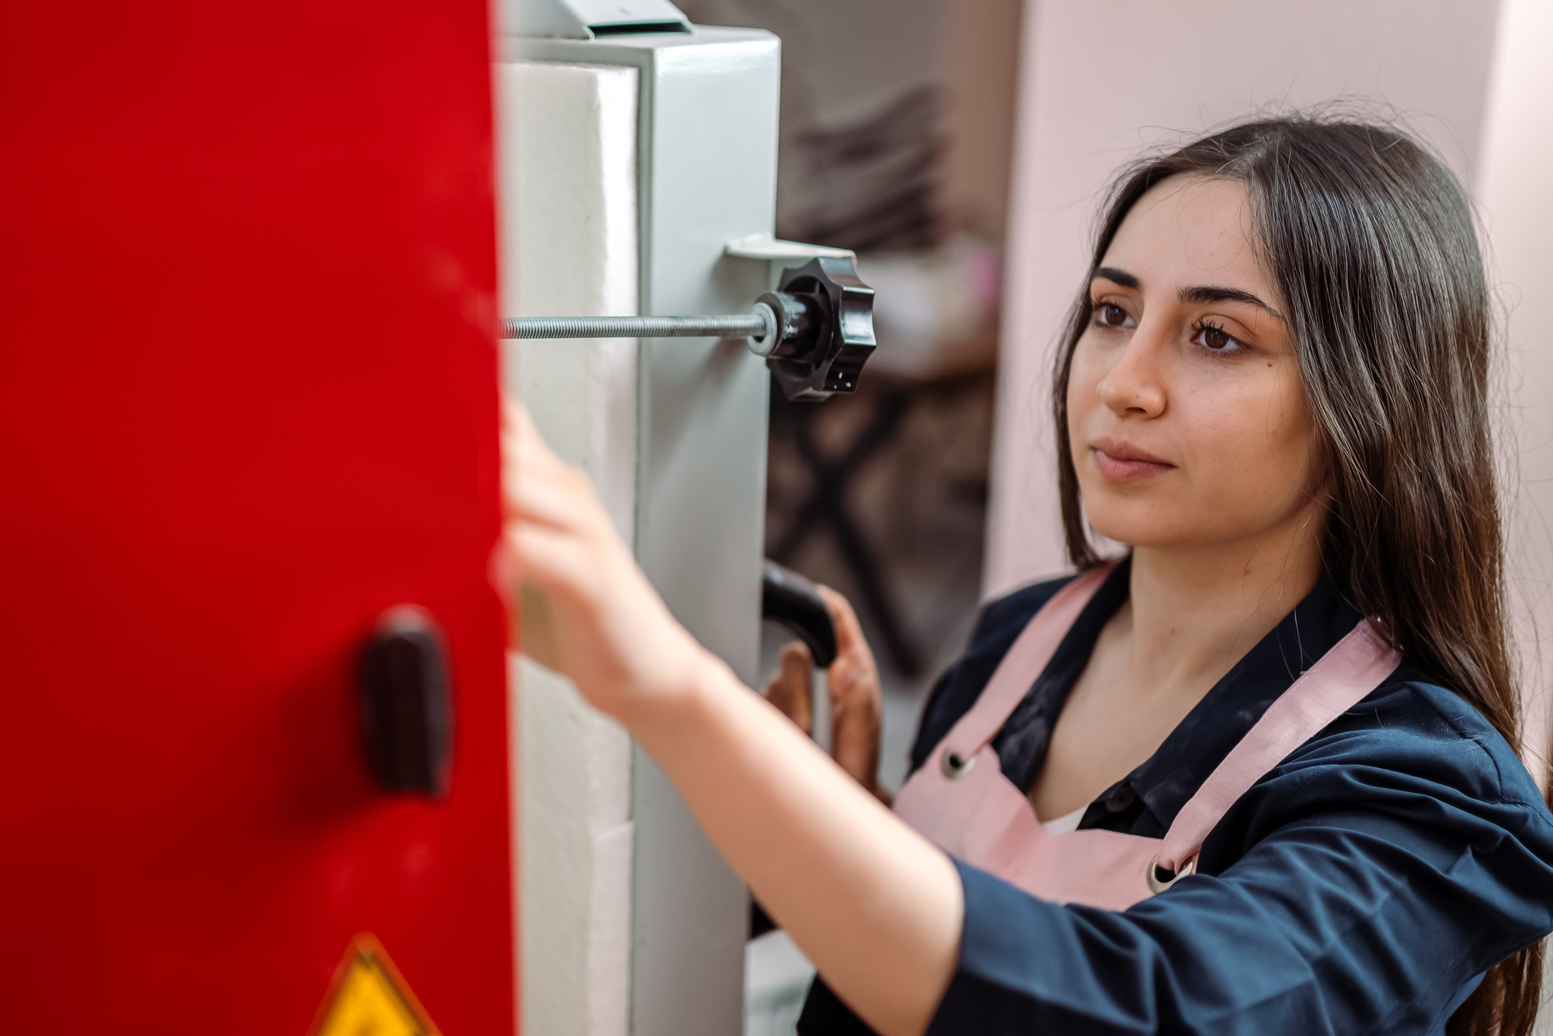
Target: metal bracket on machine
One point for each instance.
(816, 330)
(591, 19)
(782, 254)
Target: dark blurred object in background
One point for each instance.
(896, 141)
(870, 184)
(897, 116)
(885, 500)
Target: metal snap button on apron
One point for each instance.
(955, 767)
(1120, 799)
(1158, 884)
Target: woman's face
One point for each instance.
(1186, 413)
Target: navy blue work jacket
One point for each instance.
(1364, 885)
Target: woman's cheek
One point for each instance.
(1247, 475)
(1083, 396)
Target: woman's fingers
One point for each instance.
(584, 606)
(853, 678)
(856, 706)
(521, 444)
(849, 635)
(562, 499)
(537, 485)
(556, 560)
(791, 687)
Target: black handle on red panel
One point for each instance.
(792, 602)
(406, 700)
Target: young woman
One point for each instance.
(1259, 774)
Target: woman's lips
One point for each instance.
(1123, 462)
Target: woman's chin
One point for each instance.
(1147, 533)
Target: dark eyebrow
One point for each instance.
(1203, 295)
(1121, 277)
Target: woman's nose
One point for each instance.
(1134, 385)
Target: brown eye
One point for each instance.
(1108, 314)
(1216, 339)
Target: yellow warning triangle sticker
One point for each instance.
(368, 997)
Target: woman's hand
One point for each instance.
(856, 708)
(791, 687)
(873, 904)
(587, 611)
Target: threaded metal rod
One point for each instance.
(751, 325)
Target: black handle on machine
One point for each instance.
(792, 602)
(406, 701)
(825, 319)
(816, 330)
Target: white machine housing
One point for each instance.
(674, 433)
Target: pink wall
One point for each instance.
(1513, 194)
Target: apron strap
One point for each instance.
(1026, 659)
(1338, 681)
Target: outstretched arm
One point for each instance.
(876, 907)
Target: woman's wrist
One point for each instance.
(683, 704)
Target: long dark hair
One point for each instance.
(1370, 240)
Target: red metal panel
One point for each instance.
(247, 400)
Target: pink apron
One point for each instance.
(962, 802)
